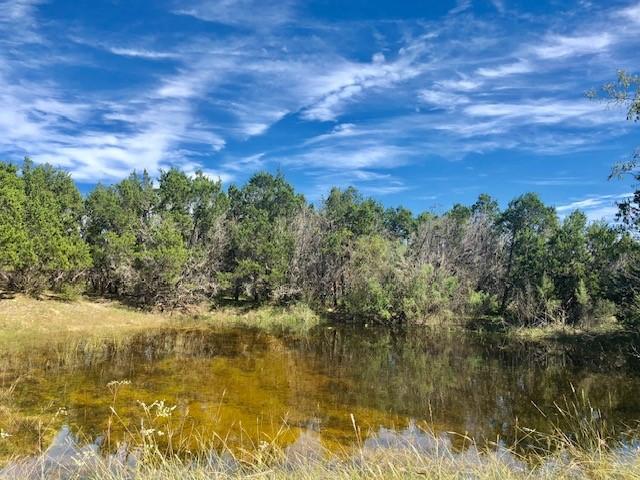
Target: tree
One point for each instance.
(527, 222)
(44, 248)
(459, 213)
(162, 247)
(160, 262)
(568, 261)
(14, 253)
(486, 206)
(118, 222)
(372, 278)
(348, 216)
(261, 243)
(626, 92)
(399, 222)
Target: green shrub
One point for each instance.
(70, 292)
(427, 292)
(482, 303)
(630, 314)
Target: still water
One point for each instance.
(342, 386)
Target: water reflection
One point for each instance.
(68, 458)
(252, 387)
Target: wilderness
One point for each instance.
(185, 295)
(165, 316)
(187, 241)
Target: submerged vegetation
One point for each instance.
(188, 402)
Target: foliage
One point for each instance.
(183, 240)
(40, 228)
(372, 273)
(157, 246)
(625, 91)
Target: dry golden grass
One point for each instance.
(26, 322)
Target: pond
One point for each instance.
(340, 386)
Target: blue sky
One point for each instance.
(421, 103)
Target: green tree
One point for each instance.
(527, 223)
(160, 263)
(487, 206)
(399, 222)
(14, 253)
(261, 243)
(625, 91)
(568, 262)
(52, 253)
(118, 221)
(348, 216)
(372, 278)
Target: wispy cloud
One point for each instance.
(546, 111)
(596, 207)
(336, 88)
(501, 71)
(241, 85)
(566, 46)
(632, 13)
(461, 6)
(252, 13)
(143, 53)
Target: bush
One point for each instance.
(427, 292)
(70, 292)
(482, 303)
(630, 314)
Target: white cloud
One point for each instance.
(334, 89)
(464, 84)
(462, 6)
(546, 111)
(358, 156)
(18, 21)
(522, 66)
(143, 53)
(499, 5)
(442, 99)
(595, 207)
(254, 13)
(632, 13)
(565, 46)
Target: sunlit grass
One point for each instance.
(297, 318)
(559, 331)
(27, 323)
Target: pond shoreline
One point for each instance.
(93, 366)
(24, 320)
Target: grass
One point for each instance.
(297, 318)
(554, 332)
(590, 454)
(27, 323)
(591, 450)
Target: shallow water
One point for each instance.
(339, 387)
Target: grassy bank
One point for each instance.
(598, 458)
(27, 323)
(553, 332)
(381, 466)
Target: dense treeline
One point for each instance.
(183, 239)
